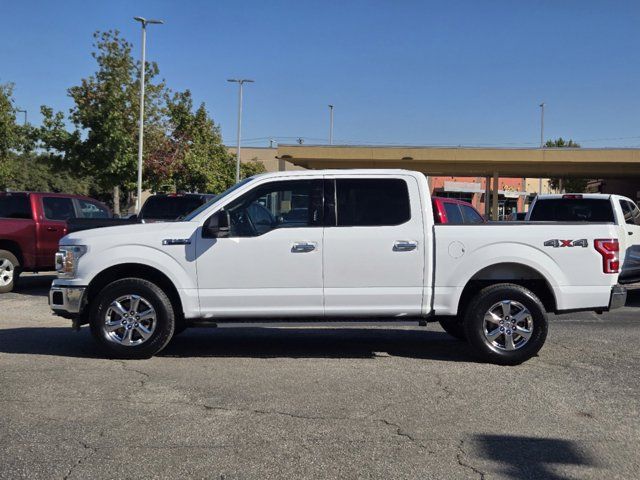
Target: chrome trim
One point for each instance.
(72, 299)
(176, 241)
(404, 246)
(303, 247)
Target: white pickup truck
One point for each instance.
(333, 245)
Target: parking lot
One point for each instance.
(395, 402)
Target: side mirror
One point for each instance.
(217, 225)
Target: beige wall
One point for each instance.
(533, 185)
(265, 155)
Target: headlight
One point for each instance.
(67, 260)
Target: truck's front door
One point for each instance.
(52, 226)
(374, 256)
(630, 271)
(271, 262)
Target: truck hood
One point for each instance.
(131, 234)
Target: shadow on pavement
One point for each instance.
(529, 457)
(34, 285)
(255, 343)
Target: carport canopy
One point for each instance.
(472, 161)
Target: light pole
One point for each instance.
(143, 22)
(240, 82)
(541, 142)
(330, 124)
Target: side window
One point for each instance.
(289, 204)
(470, 215)
(58, 208)
(15, 206)
(626, 211)
(372, 202)
(635, 213)
(453, 213)
(92, 210)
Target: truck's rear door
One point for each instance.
(374, 254)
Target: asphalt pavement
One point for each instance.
(260, 403)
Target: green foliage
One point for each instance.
(567, 184)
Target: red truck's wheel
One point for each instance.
(9, 271)
(132, 318)
(506, 324)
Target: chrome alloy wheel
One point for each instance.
(508, 325)
(130, 320)
(7, 270)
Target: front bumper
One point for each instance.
(618, 297)
(67, 301)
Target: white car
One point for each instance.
(333, 245)
(597, 208)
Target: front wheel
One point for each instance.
(132, 318)
(506, 324)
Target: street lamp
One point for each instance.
(541, 142)
(240, 82)
(330, 124)
(143, 22)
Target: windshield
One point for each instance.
(204, 206)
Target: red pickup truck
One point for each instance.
(31, 224)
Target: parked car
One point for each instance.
(597, 208)
(30, 226)
(157, 208)
(366, 248)
(453, 211)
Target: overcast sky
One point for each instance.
(398, 72)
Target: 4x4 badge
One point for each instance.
(555, 243)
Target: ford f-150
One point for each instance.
(329, 246)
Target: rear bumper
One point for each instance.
(618, 297)
(67, 301)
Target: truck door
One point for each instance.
(52, 227)
(374, 254)
(271, 263)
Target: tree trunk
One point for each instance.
(116, 201)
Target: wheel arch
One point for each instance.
(14, 248)
(135, 270)
(509, 272)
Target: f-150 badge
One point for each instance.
(555, 243)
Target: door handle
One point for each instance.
(404, 246)
(303, 247)
(52, 229)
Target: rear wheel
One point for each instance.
(506, 324)
(9, 271)
(454, 326)
(132, 318)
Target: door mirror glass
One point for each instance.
(217, 225)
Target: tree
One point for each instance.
(567, 184)
(105, 116)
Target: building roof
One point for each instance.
(472, 161)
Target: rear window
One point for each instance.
(15, 206)
(169, 208)
(471, 215)
(572, 210)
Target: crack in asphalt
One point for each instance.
(89, 450)
(128, 368)
(271, 412)
(401, 433)
(459, 456)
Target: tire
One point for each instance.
(9, 271)
(507, 303)
(140, 336)
(454, 327)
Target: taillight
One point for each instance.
(572, 197)
(609, 248)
